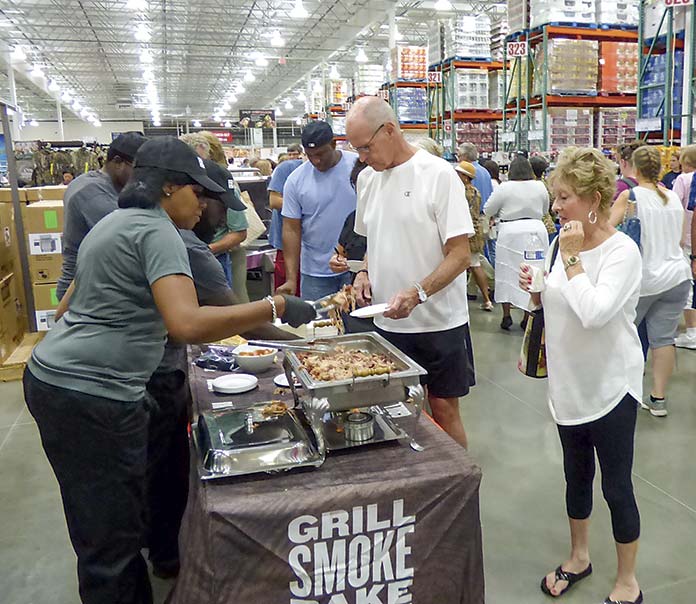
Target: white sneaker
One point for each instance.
(685, 341)
(487, 306)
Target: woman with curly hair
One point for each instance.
(595, 364)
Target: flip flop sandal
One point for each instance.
(572, 579)
(638, 600)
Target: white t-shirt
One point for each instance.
(407, 214)
(682, 187)
(592, 347)
(664, 266)
(517, 199)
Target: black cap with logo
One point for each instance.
(223, 178)
(317, 134)
(126, 145)
(169, 153)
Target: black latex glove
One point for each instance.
(297, 312)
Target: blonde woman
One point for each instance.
(595, 364)
(666, 279)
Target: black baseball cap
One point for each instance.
(317, 134)
(222, 177)
(126, 145)
(169, 153)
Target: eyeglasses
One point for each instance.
(366, 148)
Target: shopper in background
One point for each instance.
(675, 170)
(91, 197)
(666, 281)
(429, 145)
(264, 167)
(494, 170)
(595, 364)
(275, 201)
(519, 204)
(411, 210)
(198, 143)
(217, 151)
(682, 188)
(317, 198)
(539, 167)
(467, 172)
(627, 178)
(68, 177)
(482, 181)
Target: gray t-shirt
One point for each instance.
(111, 339)
(87, 200)
(210, 282)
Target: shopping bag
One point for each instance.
(631, 223)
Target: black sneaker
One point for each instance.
(506, 323)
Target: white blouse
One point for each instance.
(593, 351)
(517, 199)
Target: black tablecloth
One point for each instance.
(376, 524)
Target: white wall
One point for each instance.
(77, 130)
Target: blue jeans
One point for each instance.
(224, 260)
(313, 288)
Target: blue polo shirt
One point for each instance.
(322, 201)
(482, 181)
(277, 184)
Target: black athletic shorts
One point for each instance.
(447, 356)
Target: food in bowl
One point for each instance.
(256, 353)
(254, 359)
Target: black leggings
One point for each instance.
(612, 436)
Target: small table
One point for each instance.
(380, 524)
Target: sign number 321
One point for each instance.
(517, 49)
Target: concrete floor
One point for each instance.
(512, 437)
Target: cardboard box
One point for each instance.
(6, 195)
(55, 192)
(6, 234)
(45, 268)
(45, 304)
(43, 217)
(10, 309)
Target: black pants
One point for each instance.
(167, 464)
(612, 437)
(97, 448)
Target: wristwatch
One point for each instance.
(572, 261)
(422, 296)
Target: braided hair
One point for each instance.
(647, 162)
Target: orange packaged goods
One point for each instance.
(409, 63)
(618, 67)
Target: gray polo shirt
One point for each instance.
(210, 282)
(87, 200)
(111, 339)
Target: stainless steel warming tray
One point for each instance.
(245, 441)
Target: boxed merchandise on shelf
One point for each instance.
(410, 104)
(653, 17)
(338, 124)
(518, 78)
(436, 49)
(467, 36)
(622, 12)
(568, 11)
(339, 91)
(565, 127)
(470, 89)
(615, 126)
(43, 225)
(618, 67)
(572, 67)
(12, 323)
(368, 79)
(499, 31)
(409, 63)
(496, 90)
(652, 104)
(481, 134)
(518, 15)
(45, 305)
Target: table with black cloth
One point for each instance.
(375, 524)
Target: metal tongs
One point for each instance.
(308, 347)
(323, 305)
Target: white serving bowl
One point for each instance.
(256, 363)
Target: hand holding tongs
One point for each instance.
(308, 347)
(323, 305)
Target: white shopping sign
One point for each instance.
(517, 49)
(671, 3)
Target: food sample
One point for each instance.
(342, 364)
(274, 409)
(262, 352)
(343, 300)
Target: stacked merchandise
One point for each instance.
(616, 125)
(623, 12)
(496, 90)
(338, 124)
(481, 134)
(436, 39)
(499, 31)
(518, 78)
(518, 15)
(339, 91)
(410, 104)
(316, 101)
(470, 89)
(368, 79)
(409, 63)
(467, 37)
(653, 98)
(572, 67)
(568, 11)
(618, 67)
(565, 128)
(49, 163)
(653, 16)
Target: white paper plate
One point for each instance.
(235, 384)
(281, 380)
(369, 311)
(355, 265)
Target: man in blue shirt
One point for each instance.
(317, 199)
(275, 200)
(482, 180)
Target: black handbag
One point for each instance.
(532, 361)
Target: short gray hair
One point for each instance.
(196, 140)
(374, 111)
(467, 152)
(429, 145)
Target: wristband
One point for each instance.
(273, 306)
(362, 270)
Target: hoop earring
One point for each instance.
(592, 217)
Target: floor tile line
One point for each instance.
(12, 427)
(684, 581)
(506, 391)
(666, 494)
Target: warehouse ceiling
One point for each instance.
(130, 59)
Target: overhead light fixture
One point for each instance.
(84, 113)
(301, 97)
(142, 33)
(33, 123)
(148, 74)
(317, 87)
(249, 77)
(398, 35)
(240, 88)
(66, 97)
(37, 72)
(97, 124)
(361, 57)
(18, 54)
(333, 74)
(261, 61)
(225, 106)
(136, 4)
(277, 40)
(288, 104)
(442, 5)
(76, 105)
(298, 120)
(228, 124)
(299, 11)
(156, 123)
(278, 112)
(232, 98)
(217, 117)
(53, 86)
(145, 57)
(196, 124)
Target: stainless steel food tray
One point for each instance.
(239, 442)
(359, 391)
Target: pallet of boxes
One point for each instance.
(42, 216)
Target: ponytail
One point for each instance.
(647, 162)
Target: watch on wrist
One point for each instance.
(422, 296)
(571, 261)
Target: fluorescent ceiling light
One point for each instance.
(333, 74)
(443, 5)
(298, 120)
(217, 118)
(18, 54)
(232, 98)
(145, 57)
(225, 106)
(288, 104)
(299, 11)
(278, 112)
(398, 36)
(37, 72)
(156, 123)
(66, 97)
(97, 124)
(53, 86)
(136, 4)
(361, 57)
(277, 40)
(148, 74)
(301, 97)
(240, 88)
(33, 123)
(249, 77)
(228, 124)
(142, 33)
(196, 124)
(76, 105)
(261, 61)
(317, 86)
